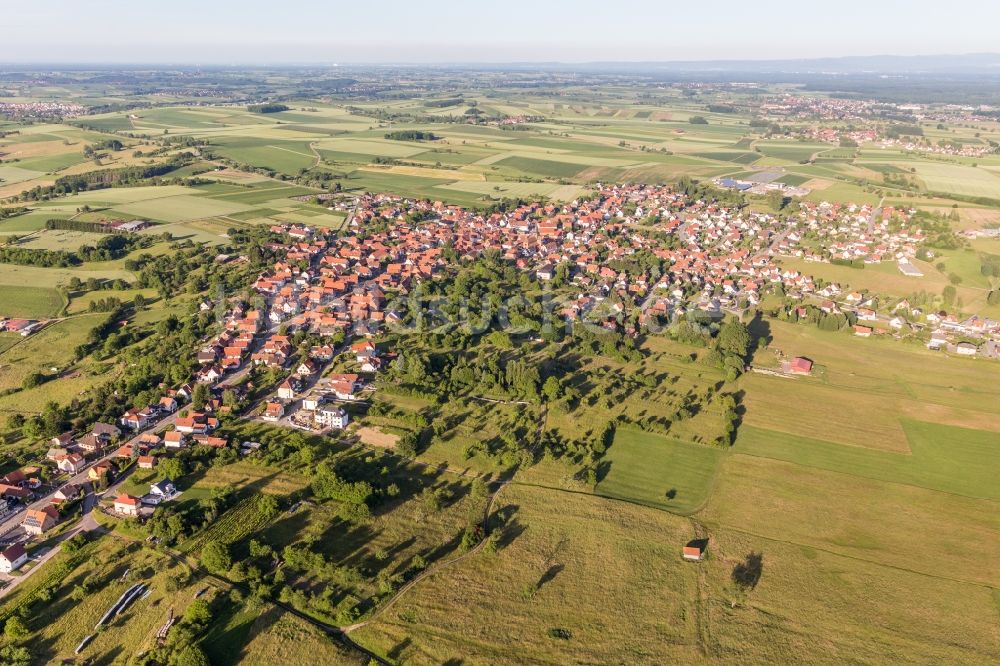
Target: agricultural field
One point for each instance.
(30, 302)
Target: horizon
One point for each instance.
(50, 31)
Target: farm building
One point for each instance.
(798, 366)
(694, 550)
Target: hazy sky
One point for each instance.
(419, 31)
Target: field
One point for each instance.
(553, 561)
(655, 470)
(29, 302)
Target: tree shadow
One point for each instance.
(397, 650)
(549, 575)
(747, 573)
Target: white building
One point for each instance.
(332, 416)
(12, 558)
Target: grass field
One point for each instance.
(959, 179)
(29, 302)
(551, 572)
(652, 469)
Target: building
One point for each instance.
(332, 417)
(164, 489)
(274, 411)
(147, 462)
(127, 505)
(71, 464)
(67, 493)
(694, 550)
(12, 558)
(800, 366)
(39, 521)
(173, 439)
(286, 391)
(966, 349)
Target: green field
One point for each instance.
(29, 302)
(655, 470)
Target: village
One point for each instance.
(340, 288)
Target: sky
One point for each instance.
(439, 31)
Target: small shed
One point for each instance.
(694, 550)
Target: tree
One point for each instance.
(198, 613)
(200, 397)
(267, 506)
(32, 380)
(190, 656)
(15, 656)
(15, 629)
(552, 389)
(948, 294)
(734, 338)
(216, 558)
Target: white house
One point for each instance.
(332, 416)
(71, 463)
(173, 439)
(164, 488)
(12, 558)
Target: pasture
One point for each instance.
(658, 471)
(29, 302)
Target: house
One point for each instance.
(134, 419)
(12, 558)
(71, 464)
(694, 550)
(127, 505)
(173, 439)
(286, 391)
(147, 462)
(800, 366)
(99, 472)
(321, 353)
(862, 331)
(332, 417)
(306, 368)
(168, 405)
(55, 453)
(68, 492)
(214, 442)
(545, 272)
(164, 488)
(91, 444)
(14, 492)
(39, 521)
(274, 411)
(966, 349)
(363, 350)
(196, 423)
(63, 441)
(105, 431)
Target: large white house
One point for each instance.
(332, 416)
